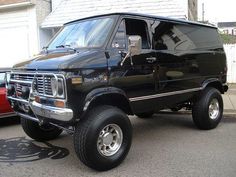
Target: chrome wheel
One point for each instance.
(214, 109)
(109, 140)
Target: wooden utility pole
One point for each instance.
(203, 12)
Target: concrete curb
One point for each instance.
(229, 112)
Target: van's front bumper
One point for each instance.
(60, 114)
(43, 111)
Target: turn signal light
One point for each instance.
(59, 104)
(37, 99)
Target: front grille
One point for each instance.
(42, 83)
(44, 86)
(23, 77)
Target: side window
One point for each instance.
(181, 37)
(119, 39)
(138, 27)
(164, 36)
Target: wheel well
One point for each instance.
(216, 85)
(116, 100)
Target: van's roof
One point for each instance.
(148, 16)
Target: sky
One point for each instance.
(218, 10)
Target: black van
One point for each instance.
(98, 70)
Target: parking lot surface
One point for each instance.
(168, 145)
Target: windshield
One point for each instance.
(85, 34)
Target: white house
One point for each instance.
(227, 27)
(27, 25)
(20, 32)
(68, 10)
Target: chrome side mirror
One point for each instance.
(134, 48)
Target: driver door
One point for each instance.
(137, 76)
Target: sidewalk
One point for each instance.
(230, 100)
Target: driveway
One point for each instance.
(167, 145)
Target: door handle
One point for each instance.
(151, 59)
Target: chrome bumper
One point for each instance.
(61, 114)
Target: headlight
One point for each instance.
(54, 85)
(58, 87)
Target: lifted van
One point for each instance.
(98, 70)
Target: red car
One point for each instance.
(5, 108)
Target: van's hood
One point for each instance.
(64, 59)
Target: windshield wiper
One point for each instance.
(62, 46)
(66, 46)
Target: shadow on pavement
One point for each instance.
(164, 120)
(20, 149)
(171, 120)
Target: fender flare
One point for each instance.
(98, 92)
(216, 83)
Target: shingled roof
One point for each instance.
(69, 10)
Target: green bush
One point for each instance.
(228, 39)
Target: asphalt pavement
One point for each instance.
(169, 145)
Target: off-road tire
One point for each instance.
(39, 133)
(200, 111)
(87, 132)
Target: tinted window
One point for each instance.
(170, 36)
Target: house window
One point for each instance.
(234, 32)
(226, 31)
